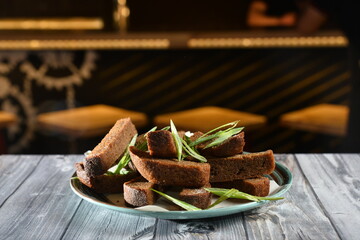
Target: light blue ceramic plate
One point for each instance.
(281, 175)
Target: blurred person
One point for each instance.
(347, 15)
(272, 13)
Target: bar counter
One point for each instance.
(175, 40)
(36, 202)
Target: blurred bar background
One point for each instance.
(157, 57)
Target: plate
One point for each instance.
(281, 175)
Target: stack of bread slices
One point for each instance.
(158, 167)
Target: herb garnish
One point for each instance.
(126, 157)
(182, 147)
(231, 124)
(166, 128)
(218, 135)
(222, 192)
(240, 195)
(221, 136)
(225, 196)
(177, 139)
(192, 152)
(124, 161)
(178, 202)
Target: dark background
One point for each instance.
(269, 82)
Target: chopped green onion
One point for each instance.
(177, 140)
(166, 128)
(240, 195)
(151, 130)
(87, 153)
(223, 135)
(185, 205)
(126, 157)
(74, 178)
(110, 171)
(124, 171)
(206, 137)
(142, 146)
(203, 139)
(192, 152)
(225, 196)
(231, 124)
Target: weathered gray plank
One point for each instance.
(94, 222)
(299, 216)
(42, 207)
(229, 227)
(335, 179)
(13, 171)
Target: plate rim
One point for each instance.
(183, 214)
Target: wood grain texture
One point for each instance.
(298, 216)
(43, 205)
(36, 202)
(14, 170)
(93, 222)
(229, 227)
(335, 180)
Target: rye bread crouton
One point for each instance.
(161, 144)
(170, 172)
(241, 166)
(138, 193)
(255, 186)
(230, 147)
(111, 147)
(198, 197)
(103, 183)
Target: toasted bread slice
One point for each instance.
(170, 172)
(241, 166)
(161, 144)
(111, 147)
(103, 183)
(230, 147)
(137, 192)
(254, 186)
(198, 197)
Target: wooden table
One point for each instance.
(36, 202)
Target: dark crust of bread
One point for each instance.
(254, 186)
(198, 197)
(137, 192)
(103, 183)
(111, 147)
(196, 135)
(170, 172)
(232, 146)
(161, 144)
(241, 166)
